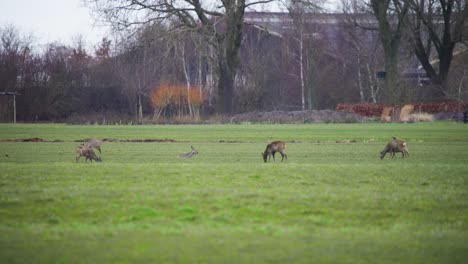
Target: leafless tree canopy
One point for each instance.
(186, 59)
(219, 22)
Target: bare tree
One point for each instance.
(300, 12)
(365, 59)
(220, 22)
(437, 24)
(137, 69)
(390, 16)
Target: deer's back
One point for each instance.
(396, 144)
(276, 146)
(93, 142)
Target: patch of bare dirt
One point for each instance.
(35, 139)
(231, 141)
(346, 141)
(146, 140)
(29, 140)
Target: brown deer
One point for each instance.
(87, 152)
(394, 146)
(94, 143)
(189, 154)
(272, 148)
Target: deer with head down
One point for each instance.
(86, 151)
(394, 146)
(94, 143)
(272, 148)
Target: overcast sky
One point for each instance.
(51, 20)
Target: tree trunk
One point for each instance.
(390, 37)
(228, 53)
(301, 69)
(359, 80)
(311, 92)
(139, 110)
(373, 84)
(225, 88)
(392, 92)
(445, 54)
(187, 79)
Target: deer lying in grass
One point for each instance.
(189, 154)
(87, 152)
(272, 148)
(396, 145)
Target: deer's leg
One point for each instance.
(283, 155)
(274, 156)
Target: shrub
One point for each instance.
(371, 109)
(420, 117)
(387, 114)
(364, 109)
(176, 100)
(405, 112)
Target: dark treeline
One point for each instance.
(297, 63)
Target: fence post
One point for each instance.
(14, 108)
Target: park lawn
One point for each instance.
(333, 200)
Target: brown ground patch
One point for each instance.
(146, 140)
(84, 140)
(29, 140)
(231, 141)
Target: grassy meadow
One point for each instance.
(332, 201)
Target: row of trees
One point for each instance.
(425, 26)
(175, 50)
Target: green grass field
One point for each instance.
(332, 201)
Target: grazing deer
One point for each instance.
(396, 145)
(189, 154)
(87, 152)
(94, 143)
(272, 148)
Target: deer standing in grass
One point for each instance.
(189, 154)
(86, 151)
(94, 143)
(272, 148)
(394, 146)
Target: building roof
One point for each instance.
(281, 22)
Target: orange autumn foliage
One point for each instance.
(176, 96)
